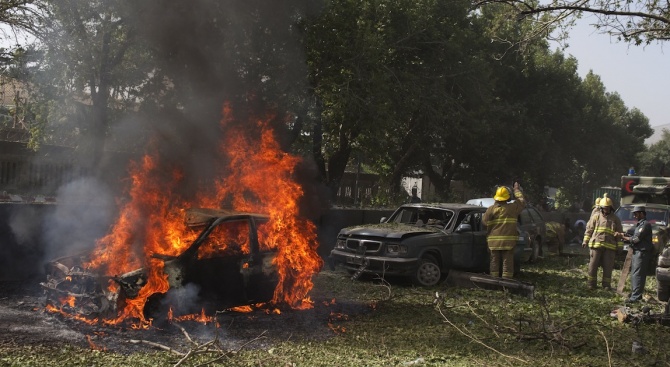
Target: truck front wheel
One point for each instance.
(428, 273)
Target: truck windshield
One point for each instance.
(654, 216)
(422, 216)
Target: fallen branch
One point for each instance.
(475, 339)
(156, 345)
(609, 351)
(226, 354)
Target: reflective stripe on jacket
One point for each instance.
(501, 223)
(555, 230)
(601, 230)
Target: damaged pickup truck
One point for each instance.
(421, 241)
(224, 267)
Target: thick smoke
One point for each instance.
(83, 214)
(183, 300)
(210, 52)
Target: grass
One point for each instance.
(565, 324)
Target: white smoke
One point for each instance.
(84, 213)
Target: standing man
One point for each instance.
(603, 237)
(640, 242)
(415, 198)
(502, 232)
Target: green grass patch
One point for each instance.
(564, 324)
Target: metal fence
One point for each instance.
(24, 171)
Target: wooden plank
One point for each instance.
(625, 270)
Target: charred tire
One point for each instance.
(663, 291)
(428, 273)
(535, 251)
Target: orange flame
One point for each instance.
(251, 166)
(258, 179)
(201, 317)
(93, 345)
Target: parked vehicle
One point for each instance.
(663, 276)
(657, 215)
(654, 194)
(422, 241)
(530, 220)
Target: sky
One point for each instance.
(639, 74)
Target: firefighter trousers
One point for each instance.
(504, 259)
(601, 257)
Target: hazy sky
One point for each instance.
(641, 75)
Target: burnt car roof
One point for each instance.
(202, 216)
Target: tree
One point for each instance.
(400, 81)
(655, 161)
(20, 16)
(637, 22)
(86, 68)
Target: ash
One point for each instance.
(25, 321)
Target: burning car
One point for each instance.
(225, 266)
(421, 241)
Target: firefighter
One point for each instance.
(502, 231)
(596, 205)
(603, 237)
(555, 237)
(595, 212)
(640, 242)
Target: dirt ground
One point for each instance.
(24, 321)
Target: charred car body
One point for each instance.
(422, 241)
(223, 267)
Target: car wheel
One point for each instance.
(534, 251)
(663, 291)
(428, 273)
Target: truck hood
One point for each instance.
(387, 230)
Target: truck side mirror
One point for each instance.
(464, 227)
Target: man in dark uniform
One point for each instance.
(640, 241)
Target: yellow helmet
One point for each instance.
(502, 194)
(605, 201)
(597, 203)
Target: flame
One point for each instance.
(251, 164)
(69, 301)
(334, 317)
(201, 317)
(257, 178)
(93, 345)
(241, 309)
(54, 309)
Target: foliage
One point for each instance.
(656, 160)
(19, 17)
(401, 86)
(637, 22)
